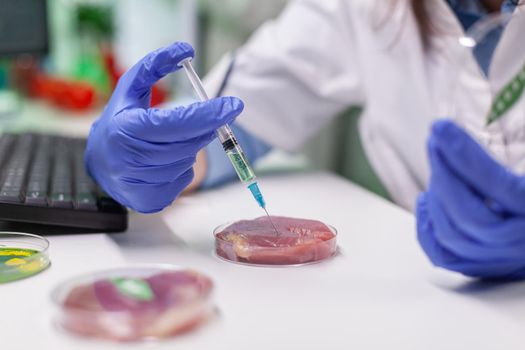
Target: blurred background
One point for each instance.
(60, 59)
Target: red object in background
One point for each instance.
(75, 95)
(23, 70)
(158, 93)
(109, 62)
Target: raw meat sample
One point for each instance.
(128, 308)
(298, 241)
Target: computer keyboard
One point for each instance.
(43, 181)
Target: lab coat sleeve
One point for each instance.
(296, 73)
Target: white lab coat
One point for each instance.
(320, 57)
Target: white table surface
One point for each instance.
(379, 292)
(40, 116)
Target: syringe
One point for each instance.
(229, 143)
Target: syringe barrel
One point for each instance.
(224, 133)
(240, 164)
(194, 79)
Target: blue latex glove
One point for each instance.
(141, 156)
(472, 218)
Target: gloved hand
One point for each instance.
(472, 218)
(141, 156)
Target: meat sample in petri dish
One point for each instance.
(134, 303)
(297, 241)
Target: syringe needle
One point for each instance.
(271, 222)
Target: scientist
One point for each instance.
(394, 58)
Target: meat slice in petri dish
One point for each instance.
(134, 303)
(297, 241)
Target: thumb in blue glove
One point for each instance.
(472, 218)
(143, 157)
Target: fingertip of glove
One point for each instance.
(234, 103)
(420, 200)
(230, 107)
(447, 138)
(181, 50)
(424, 231)
(148, 210)
(183, 46)
(432, 148)
(167, 59)
(421, 208)
(443, 129)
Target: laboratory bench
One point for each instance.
(378, 292)
(40, 116)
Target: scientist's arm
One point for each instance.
(472, 218)
(142, 156)
(294, 75)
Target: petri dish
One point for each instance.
(22, 255)
(255, 242)
(141, 303)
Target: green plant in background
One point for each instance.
(94, 24)
(96, 20)
(90, 68)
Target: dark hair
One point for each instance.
(424, 21)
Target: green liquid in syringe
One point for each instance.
(241, 166)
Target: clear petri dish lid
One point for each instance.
(255, 242)
(22, 255)
(138, 303)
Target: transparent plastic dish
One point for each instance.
(22, 255)
(255, 242)
(140, 303)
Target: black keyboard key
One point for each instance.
(39, 174)
(38, 185)
(61, 183)
(16, 169)
(36, 198)
(85, 201)
(60, 200)
(5, 144)
(85, 188)
(11, 196)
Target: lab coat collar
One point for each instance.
(476, 8)
(468, 6)
(507, 60)
(509, 6)
(451, 29)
